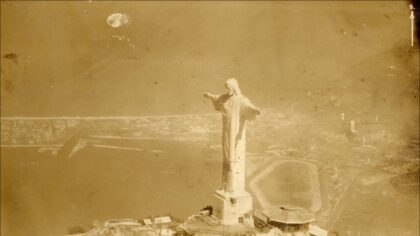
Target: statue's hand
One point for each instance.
(207, 95)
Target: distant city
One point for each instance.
(39, 131)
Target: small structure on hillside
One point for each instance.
(286, 220)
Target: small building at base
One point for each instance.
(286, 221)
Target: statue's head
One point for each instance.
(232, 87)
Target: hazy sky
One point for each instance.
(71, 62)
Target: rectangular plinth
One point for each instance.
(229, 208)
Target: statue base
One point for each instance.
(230, 208)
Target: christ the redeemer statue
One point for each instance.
(232, 201)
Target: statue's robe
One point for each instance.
(236, 111)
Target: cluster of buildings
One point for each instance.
(158, 226)
(274, 221)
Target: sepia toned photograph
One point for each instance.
(210, 118)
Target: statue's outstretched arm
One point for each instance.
(216, 100)
(211, 96)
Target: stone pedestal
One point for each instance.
(230, 208)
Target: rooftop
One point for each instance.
(287, 214)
